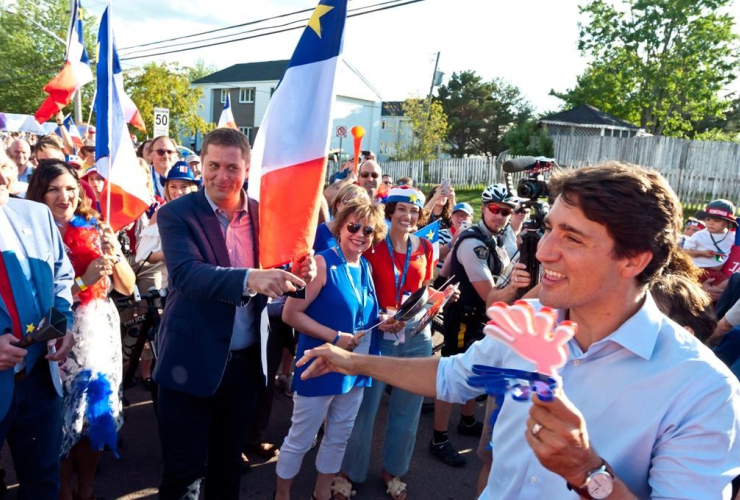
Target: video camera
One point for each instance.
(532, 188)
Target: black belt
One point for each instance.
(242, 353)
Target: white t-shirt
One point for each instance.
(704, 240)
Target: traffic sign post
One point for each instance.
(341, 133)
(161, 122)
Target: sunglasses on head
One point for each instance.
(365, 175)
(353, 227)
(498, 210)
(88, 149)
(162, 152)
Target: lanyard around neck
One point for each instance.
(400, 279)
(360, 296)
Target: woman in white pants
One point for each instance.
(339, 303)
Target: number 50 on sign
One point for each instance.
(161, 122)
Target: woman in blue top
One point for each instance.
(340, 304)
(346, 196)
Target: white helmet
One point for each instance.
(499, 194)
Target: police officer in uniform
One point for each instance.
(477, 262)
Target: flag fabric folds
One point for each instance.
(75, 73)
(289, 159)
(226, 120)
(73, 131)
(431, 233)
(125, 196)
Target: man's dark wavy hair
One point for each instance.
(636, 205)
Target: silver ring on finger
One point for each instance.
(536, 428)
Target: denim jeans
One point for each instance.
(33, 428)
(403, 417)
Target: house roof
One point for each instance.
(248, 72)
(587, 115)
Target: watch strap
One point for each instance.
(583, 489)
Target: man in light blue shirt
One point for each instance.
(645, 410)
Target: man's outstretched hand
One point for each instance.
(329, 358)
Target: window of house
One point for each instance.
(249, 132)
(224, 93)
(246, 95)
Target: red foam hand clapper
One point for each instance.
(532, 335)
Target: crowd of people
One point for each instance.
(648, 403)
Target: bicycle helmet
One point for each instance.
(499, 194)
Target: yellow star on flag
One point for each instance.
(430, 235)
(314, 23)
(29, 328)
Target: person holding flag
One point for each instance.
(401, 264)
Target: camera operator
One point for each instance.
(477, 260)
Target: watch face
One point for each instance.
(600, 485)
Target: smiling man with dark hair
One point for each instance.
(644, 410)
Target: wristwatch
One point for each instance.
(599, 483)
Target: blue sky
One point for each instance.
(530, 43)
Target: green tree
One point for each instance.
(166, 86)
(479, 113)
(201, 69)
(31, 56)
(661, 64)
(427, 125)
(527, 139)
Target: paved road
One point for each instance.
(136, 473)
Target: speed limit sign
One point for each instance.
(341, 131)
(161, 122)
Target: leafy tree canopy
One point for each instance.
(162, 85)
(479, 113)
(428, 125)
(662, 64)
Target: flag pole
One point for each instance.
(111, 89)
(89, 115)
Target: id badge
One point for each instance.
(399, 337)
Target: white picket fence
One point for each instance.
(698, 171)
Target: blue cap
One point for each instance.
(465, 207)
(181, 170)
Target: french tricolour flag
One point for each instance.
(226, 120)
(125, 196)
(289, 159)
(75, 73)
(431, 233)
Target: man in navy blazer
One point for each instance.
(209, 370)
(35, 275)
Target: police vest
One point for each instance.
(468, 295)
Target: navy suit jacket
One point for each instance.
(51, 282)
(204, 291)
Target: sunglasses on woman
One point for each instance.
(353, 227)
(498, 210)
(162, 152)
(365, 175)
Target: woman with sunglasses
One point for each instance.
(340, 305)
(91, 406)
(345, 197)
(402, 263)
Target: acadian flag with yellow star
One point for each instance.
(289, 158)
(431, 233)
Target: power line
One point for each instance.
(408, 2)
(302, 22)
(217, 30)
